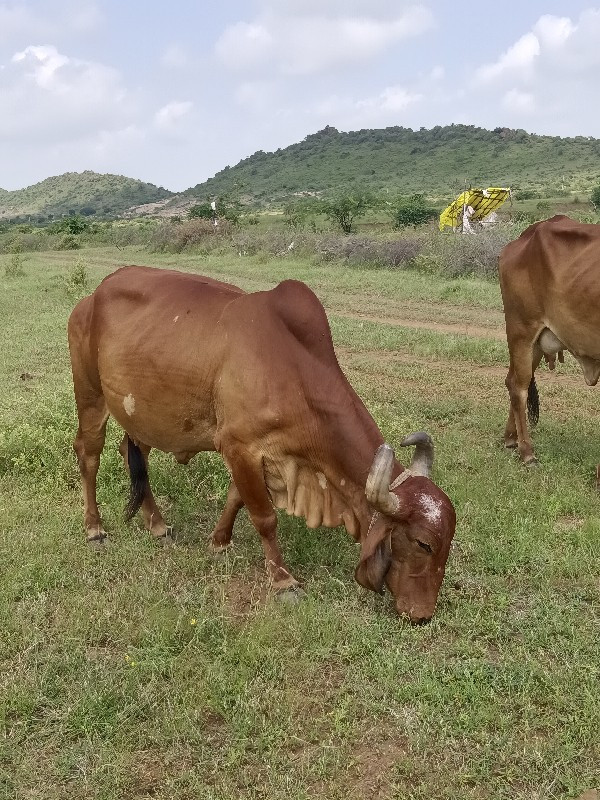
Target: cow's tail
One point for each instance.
(533, 403)
(139, 479)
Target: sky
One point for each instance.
(172, 92)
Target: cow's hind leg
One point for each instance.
(249, 479)
(142, 496)
(524, 360)
(88, 446)
(221, 535)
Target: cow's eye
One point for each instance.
(424, 546)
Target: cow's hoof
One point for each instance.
(217, 551)
(98, 545)
(292, 595)
(95, 536)
(510, 444)
(531, 463)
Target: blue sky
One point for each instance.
(172, 92)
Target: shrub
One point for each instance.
(175, 237)
(348, 205)
(14, 267)
(595, 197)
(411, 211)
(67, 242)
(74, 224)
(78, 279)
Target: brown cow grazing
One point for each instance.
(187, 364)
(550, 281)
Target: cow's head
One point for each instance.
(409, 537)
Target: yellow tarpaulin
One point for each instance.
(477, 203)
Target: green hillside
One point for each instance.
(87, 193)
(436, 161)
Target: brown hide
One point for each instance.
(187, 364)
(550, 282)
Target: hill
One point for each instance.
(436, 161)
(87, 193)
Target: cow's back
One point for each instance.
(150, 340)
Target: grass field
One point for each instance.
(157, 672)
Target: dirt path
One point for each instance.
(461, 328)
(349, 356)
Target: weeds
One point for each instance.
(14, 266)
(77, 280)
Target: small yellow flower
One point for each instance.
(128, 657)
(193, 621)
(133, 663)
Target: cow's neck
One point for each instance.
(352, 441)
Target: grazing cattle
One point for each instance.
(550, 281)
(187, 364)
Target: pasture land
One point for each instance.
(147, 671)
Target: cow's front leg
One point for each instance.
(249, 479)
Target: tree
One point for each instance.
(297, 212)
(226, 208)
(201, 211)
(412, 210)
(72, 224)
(595, 198)
(347, 206)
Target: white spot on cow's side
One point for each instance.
(343, 482)
(176, 318)
(129, 404)
(432, 508)
(322, 480)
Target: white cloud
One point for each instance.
(175, 57)
(308, 44)
(553, 31)
(517, 59)
(20, 19)
(168, 118)
(516, 100)
(392, 98)
(245, 45)
(257, 95)
(46, 95)
(341, 8)
(44, 62)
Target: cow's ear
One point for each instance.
(375, 557)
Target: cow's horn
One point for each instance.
(377, 489)
(422, 460)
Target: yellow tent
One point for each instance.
(473, 205)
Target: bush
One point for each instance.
(457, 254)
(14, 268)
(412, 211)
(172, 237)
(595, 197)
(346, 206)
(67, 242)
(78, 279)
(74, 224)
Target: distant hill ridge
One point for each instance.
(88, 193)
(437, 161)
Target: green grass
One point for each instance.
(148, 671)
